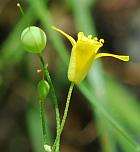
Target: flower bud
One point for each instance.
(33, 39)
(43, 89)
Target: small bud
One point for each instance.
(47, 148)
(43, 89)
(33, 39)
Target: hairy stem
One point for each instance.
(64, 117)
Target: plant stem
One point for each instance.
(47, 76)
(64, 117)
(44, 128)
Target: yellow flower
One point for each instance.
(84, 52)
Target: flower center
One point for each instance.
(90, 39)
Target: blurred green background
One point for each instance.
(102, 107)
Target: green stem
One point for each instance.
(47, 76)
(44, 128)
(64, 117)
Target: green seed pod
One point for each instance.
(43, 89)
(33, 39)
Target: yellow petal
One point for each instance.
(120, 57)
(73, 42)
(80, 63)
(82, 57)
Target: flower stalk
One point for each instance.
(52, 91)
(64, 117)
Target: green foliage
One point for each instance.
(34, 128)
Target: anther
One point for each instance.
(95, 38)
(102, 40)
(80, 35)
(89, 36)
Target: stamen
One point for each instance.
(80, 35)
(89, 36)
(95, 39)
(101, 40)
